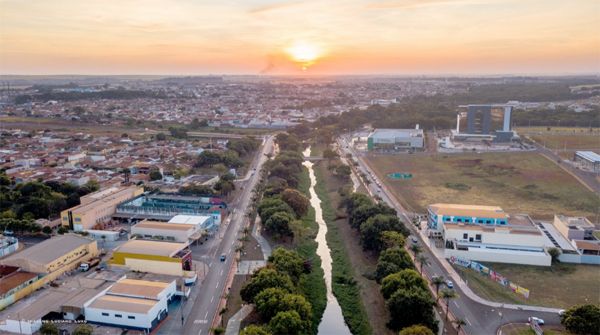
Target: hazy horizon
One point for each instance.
(321, 38)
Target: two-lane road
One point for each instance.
(481, 319)
(202, 307)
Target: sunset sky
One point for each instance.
(192, 37)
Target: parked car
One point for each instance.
(536, 320)
(450, 284)
(414, 239)
(223, 257)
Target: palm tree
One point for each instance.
(459, 323)
(416, 249)
(437, 281)
(424, 262)
(448, 295)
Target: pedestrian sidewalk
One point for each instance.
(467, 290)
(264, 245)
(233, 325)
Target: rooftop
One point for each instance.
(163, 225)
(151, 247)
(49, 250)
(397, 132)
(575, 222)
(13, 280)
(138, 288)
(469, 210)
(589, 155)
(123, 304)
(197, 220)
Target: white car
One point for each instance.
(536, 320)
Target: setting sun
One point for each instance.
(304, 53)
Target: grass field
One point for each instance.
(565, 141)
(518, 182)
(524, 329)
(560, 286)
(346, 282)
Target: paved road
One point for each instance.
(589, 179)
(201, 308)
(481, 319)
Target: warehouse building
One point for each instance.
(588, 160)
(487, 233)
(169, 258)
(46, 261)
(392, 140)
(97, 207)
(176, 232)
(132, 303)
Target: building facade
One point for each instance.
(389, 140)
(97, 207)
(487, 233)
(131, 303)
(169, 258)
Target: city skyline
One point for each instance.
(357, 37)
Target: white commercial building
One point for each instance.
(389, 140)
(488, 234)
(131, 303)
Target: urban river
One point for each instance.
(333, 322)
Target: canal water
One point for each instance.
(333, 321)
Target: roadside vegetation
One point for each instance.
(344, 284)
(289, 293)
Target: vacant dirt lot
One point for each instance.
(518, 182)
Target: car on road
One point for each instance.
(450, 284)
(537, 320)
(223, 257)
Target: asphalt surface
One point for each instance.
(201, 307)
(481, 319)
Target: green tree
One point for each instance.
(370, 231)
(263, 279)
(49, 328)
(255, 330)
(287, 261)
(288, 323)
(410, 307)
(392, 239)
(296, 200)
(83, 329)
(391, 261)
(416, 330)
(160, 137)
(406, 279)
(554, 253)
(268, 302)
(582, 319)
(155, 174)
(47, 230)
(329, 154)
(279, 224)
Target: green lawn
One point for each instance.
(560, 286)
(518, 182)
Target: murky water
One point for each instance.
(333, 321)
